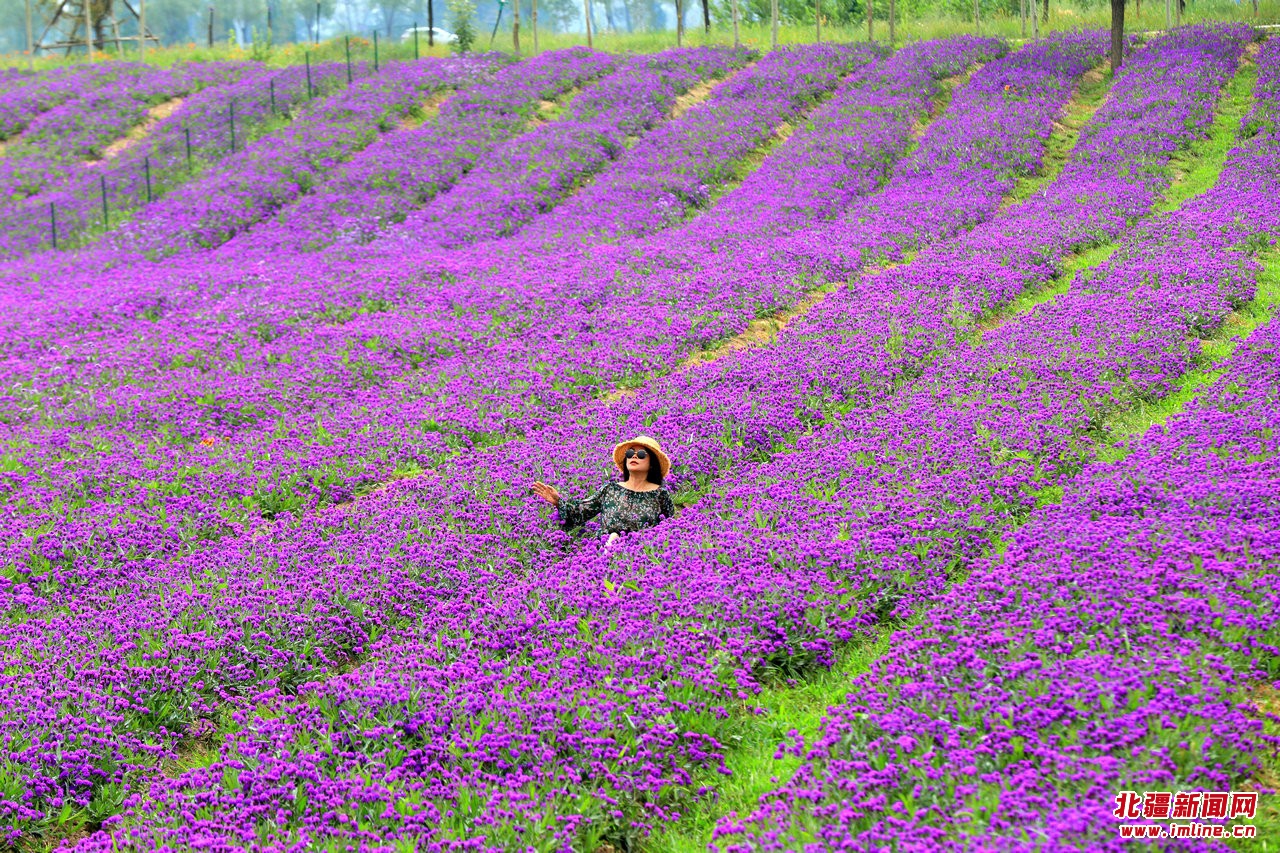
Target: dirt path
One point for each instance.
(155, 115)
(430, 109)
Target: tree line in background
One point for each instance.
(177, 22)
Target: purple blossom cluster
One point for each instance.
(1263, 114)
(253, 612)
(82, 127)
(158, 161)
(26, 96)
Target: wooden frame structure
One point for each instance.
(78, 12)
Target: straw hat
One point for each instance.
(650, 444)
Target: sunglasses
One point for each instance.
(638, 453)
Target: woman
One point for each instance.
(637, 502)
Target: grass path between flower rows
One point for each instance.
(780, 714)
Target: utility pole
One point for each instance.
(31, 48)
(498, 22)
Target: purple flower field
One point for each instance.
(271, 571)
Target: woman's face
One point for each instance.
(635, 463)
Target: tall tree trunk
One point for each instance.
(1044, 15)
(99, 25)
(706, 15)
(1117, 34)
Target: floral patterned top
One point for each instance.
(621, 509)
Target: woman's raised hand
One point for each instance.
(547, 493)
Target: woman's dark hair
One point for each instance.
(655, 468)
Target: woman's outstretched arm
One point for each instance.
(573, 513)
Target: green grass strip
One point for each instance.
(1196, 169)
(756, 738)
(1210, 364)
(1089, 96)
